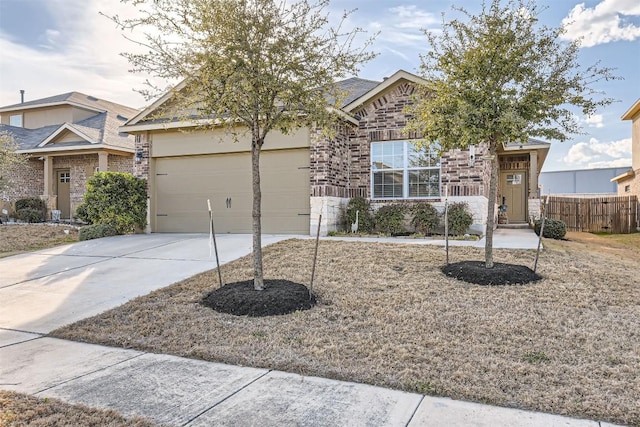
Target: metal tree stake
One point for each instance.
(315, 256)
(212, 239)
(446, 221)
(544, 216)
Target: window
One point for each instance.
(65, 177)
(514, 179)
(627, 188)
(15, 120)
(400, 171)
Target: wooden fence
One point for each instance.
(596, 214)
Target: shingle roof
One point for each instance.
(354, 88)
(102, 128)
(75, 98)
(28, 139)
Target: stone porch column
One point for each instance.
(533, 175)
(48, 176)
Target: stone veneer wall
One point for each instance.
(26, 180)
(141, 170)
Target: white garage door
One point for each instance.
(183, 185)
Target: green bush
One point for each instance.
(459, 218)
(553, 228)
(96, 231)
(365, 219)
(390, 218)
(81, 214)
(425, 218)
(115, 198)
(30, 215)
(31, 209)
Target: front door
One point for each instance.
(513, 188)
(63, 180)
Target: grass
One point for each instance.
(568, 344)
(22, 410)
(17, 239)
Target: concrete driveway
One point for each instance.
(43, 290)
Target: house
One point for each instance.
(67, 138)
(305, 175)
(629, 181)
(581, 182)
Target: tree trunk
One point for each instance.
(258, 278)
(491, 209)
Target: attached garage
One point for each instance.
(182, 185)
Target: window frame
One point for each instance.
(14, 116)
(406, 169)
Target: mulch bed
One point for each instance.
(278, 297)
(500, 274)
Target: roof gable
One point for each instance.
(386, 84)
(63, 132)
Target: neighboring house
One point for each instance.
(629, 181)
(579, 182)
(67, 138)
(304, 174)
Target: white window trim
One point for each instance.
(21, 120)
(405, 174)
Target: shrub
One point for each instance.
(81, 214)
(389, 219)
(365, 219)
(31, 209)
(459, 218)
(115, 198)
(96, 231)
(553, 228)
(425, 218)
(30, 215)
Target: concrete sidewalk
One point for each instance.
(503, 238)
(184, 392)
(43, 290)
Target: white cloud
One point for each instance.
(595, 154)
(411, 17)
(603, 23)
(594, 121)
(79, 52)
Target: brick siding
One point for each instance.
(342, 167)
(28, 179)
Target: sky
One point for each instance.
(49, 47)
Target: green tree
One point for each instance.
(500, 77)
(9, 158)
(262, 64)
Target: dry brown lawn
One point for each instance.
(17, 239)
(22, 410)
(568, 344)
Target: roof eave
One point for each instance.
(628, 174)
(52, 104)
(632, 112)
(92, 147)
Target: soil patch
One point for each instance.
(278, 297)
(500, 274)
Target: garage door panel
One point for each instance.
(183, 185)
